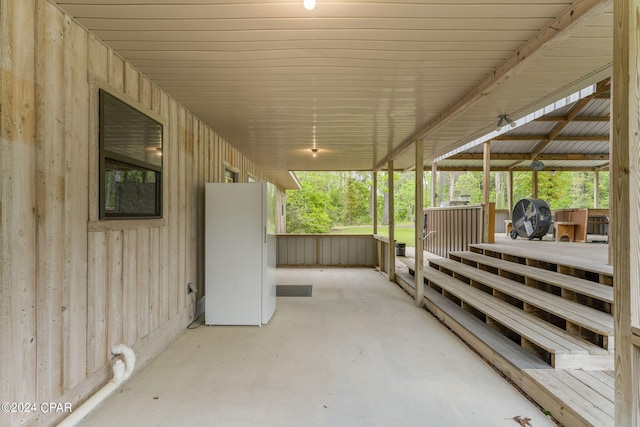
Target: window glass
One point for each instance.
(130, 161)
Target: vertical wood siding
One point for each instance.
(325, 249)
(72, 286)
(453, 229)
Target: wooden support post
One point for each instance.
(374, 201)
(510, 191)
(419, 223)
(434, 183)
(596, 189)
(534, 184)
(625, 208)
(486, 185)
(392, 222)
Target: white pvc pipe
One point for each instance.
(121, 372)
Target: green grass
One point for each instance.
(404, 232)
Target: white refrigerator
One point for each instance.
(240, 253)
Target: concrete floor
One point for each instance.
(357, 353)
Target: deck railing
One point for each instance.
(453, 228)
(326, 249)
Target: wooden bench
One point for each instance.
(562, 229)
(508, 226)
(574, 397)
(577, 285)
(562, 262)
(491, 344)
(578, 317)
(560, 349)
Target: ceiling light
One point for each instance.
(314, 151)
(309, 4)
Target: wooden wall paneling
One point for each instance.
(115, 317)
(145, 95)
(129, 286)
(359, 252)
(291, 251)
(182, 208)
(322, 253)
(17, 198)
(76, 149)
(172, 179)
(280, 247)
(131, 81)
(189, 212)
(96, 303)
(349, 250)
(142, 270)
(294, 256)
(212, 158)
(98, 64)
(50, 198)
(208, 169)
(98, 58)
(164, 275)
(196, 204)
(159, 99)
(217, 160)
(162, 101)
(333, 246)
(155, 251)
(115, 71)
(203, 144)
(221, 157)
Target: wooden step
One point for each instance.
(510, 358)
(559, 349)
(584, 287)
(569, 263)
(574, 397)
(575, 313)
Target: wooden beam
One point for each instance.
(575, 119)
(419, 224)
(520, 168)
(527, 156)
(625, 208)
(572, 19)
(588, 138)
(555, 131)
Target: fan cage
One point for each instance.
(531, 219)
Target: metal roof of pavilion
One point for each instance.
(572, 137)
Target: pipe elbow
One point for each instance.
(129, 358)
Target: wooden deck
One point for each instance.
(527, 307)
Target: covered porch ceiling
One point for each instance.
(572, 137)
(360, 80)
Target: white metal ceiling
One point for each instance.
(365, 76)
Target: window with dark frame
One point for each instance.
(130, 162)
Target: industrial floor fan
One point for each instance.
(531, 219)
